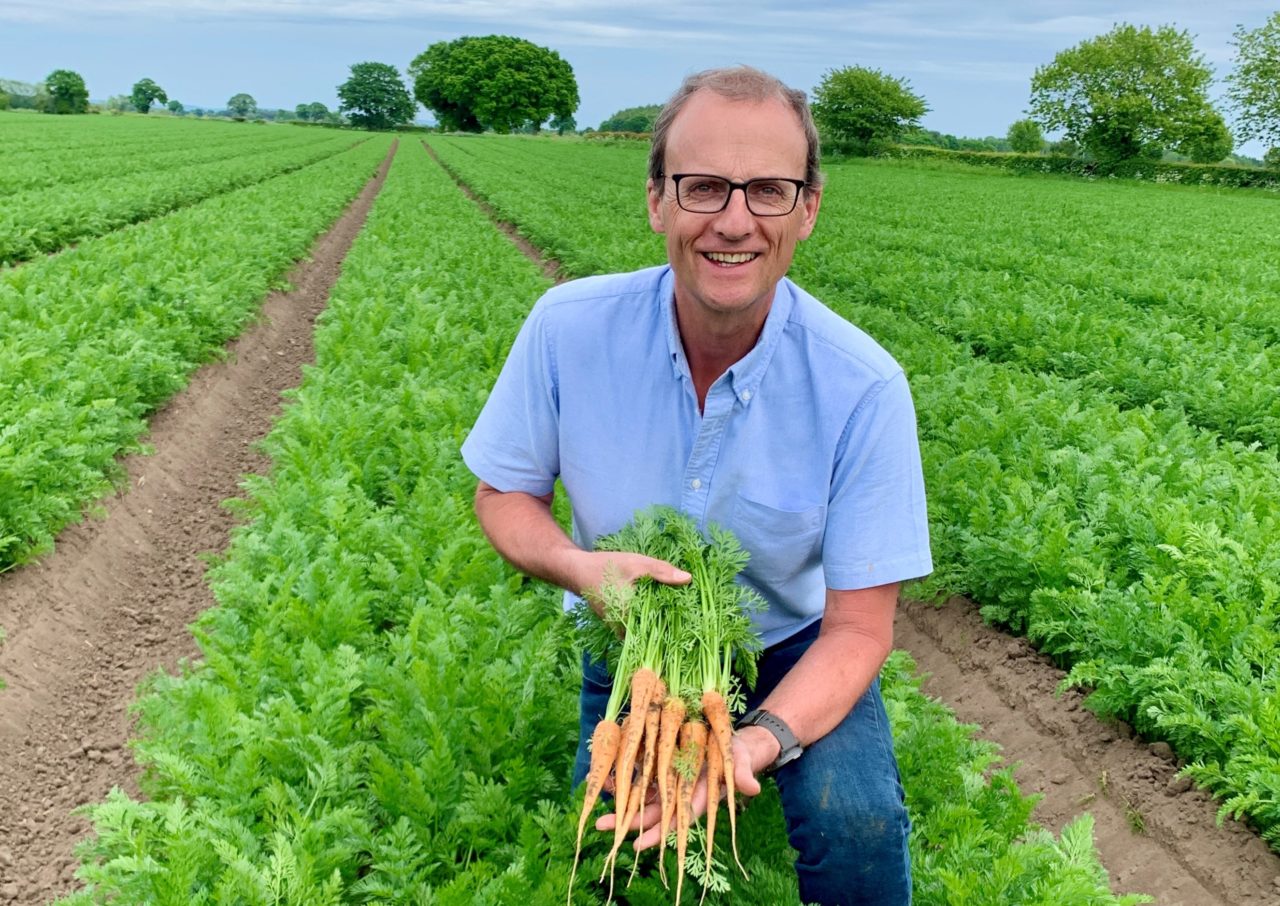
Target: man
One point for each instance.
(715, 385)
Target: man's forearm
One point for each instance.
(522, 529)
(834, 673)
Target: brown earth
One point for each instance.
(1156, 834)
(113, 602)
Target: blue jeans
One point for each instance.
(842, 798)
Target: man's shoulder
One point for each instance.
(570, 297)
(831, 336)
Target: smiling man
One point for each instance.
(716, 385)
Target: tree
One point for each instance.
(495, 82)
(1254, 86)
(374, 97)
(66, 92)
(1130, 93)
(1271, 159)
(319, 112)
(242, 105)
(176, 108)
(632, 119)
(145, 93)
(865, 107)
(1025, 137)
(1207, 140)
(4, 100)
(563, 124)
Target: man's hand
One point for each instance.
(596, 569)
(753, 750)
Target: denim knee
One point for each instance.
(843, 801)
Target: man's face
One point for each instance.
(737, 140)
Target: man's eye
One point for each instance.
(766, 190)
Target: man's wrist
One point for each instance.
(787, 745)
(762, 745)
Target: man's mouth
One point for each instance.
(727, 259)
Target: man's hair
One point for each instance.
(737, 83)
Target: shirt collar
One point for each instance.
(746, 374)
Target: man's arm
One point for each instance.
(827, 681)
(523, 530)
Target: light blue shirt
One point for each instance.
(806, 450)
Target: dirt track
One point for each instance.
(113, 602)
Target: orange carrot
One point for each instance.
(714, 769)
(604, 749)
(668, 734)
(693, 740)
(642, 684)
(716, 712)
(652, 722)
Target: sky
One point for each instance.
(971, 61)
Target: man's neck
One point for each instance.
(713, 344)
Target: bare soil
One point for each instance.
(1155, 832)
(113, 602)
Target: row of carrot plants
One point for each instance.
(385, 712)
(1137, 549)
(41, 153)
(93, 340)
(49, 218)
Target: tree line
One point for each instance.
(1134, 92)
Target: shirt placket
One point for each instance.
(699, 473)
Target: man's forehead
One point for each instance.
(711, 125)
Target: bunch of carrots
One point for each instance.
(674, 653)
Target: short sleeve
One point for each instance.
(514, 444)
(877, 523)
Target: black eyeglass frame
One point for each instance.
(800, 185)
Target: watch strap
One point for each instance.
(789, 748)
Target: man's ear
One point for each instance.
(654, 196)
(812, 201)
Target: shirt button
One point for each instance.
(696, 483)
(746, 394)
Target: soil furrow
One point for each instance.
(1155, 832)
(113, 602)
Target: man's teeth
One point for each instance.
(730, 257)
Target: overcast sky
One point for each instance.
(971, 61)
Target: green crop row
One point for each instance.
(1137, 549)
(95, 339)
(385, 712)
(44, 220)
(94, 150)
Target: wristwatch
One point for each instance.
(790, 748)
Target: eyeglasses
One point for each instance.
(767, 196)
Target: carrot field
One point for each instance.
(382, 711)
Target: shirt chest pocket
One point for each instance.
(782, 542)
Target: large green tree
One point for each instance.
(1254, 86)
(632, 119)
(146, 93)
(865, 107)
(374, 97)
(495, 82)
(242, 104)
(66, 92)
(1132, 92)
